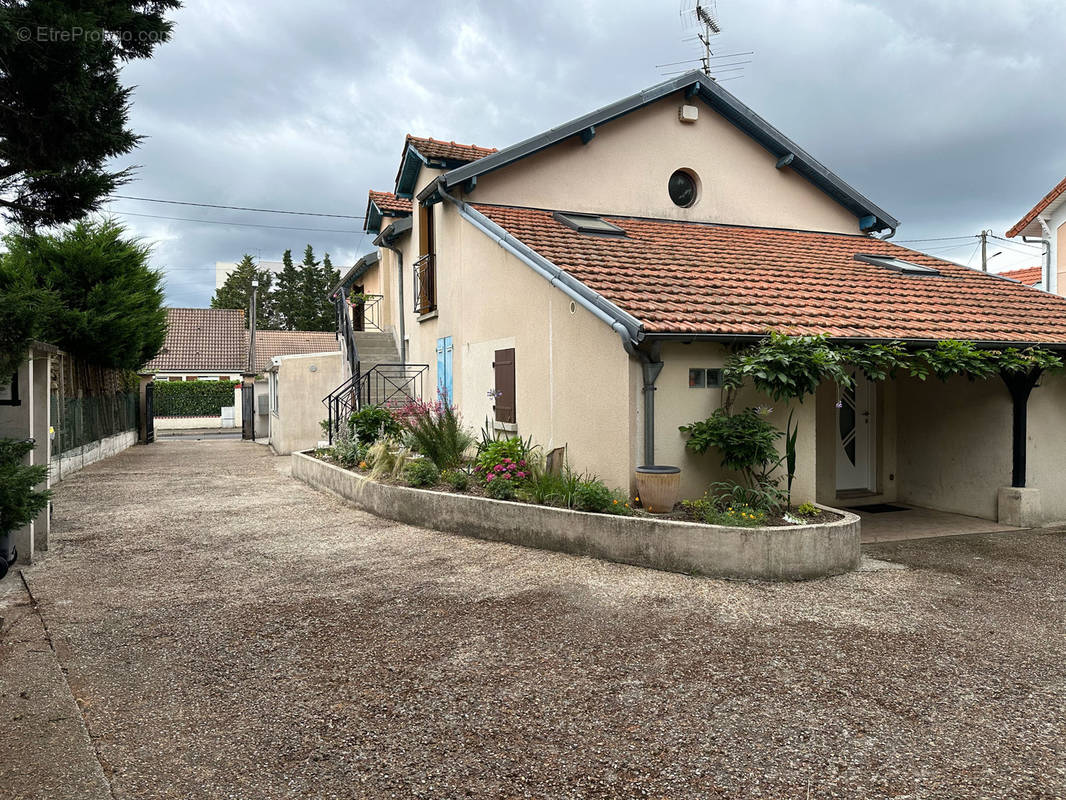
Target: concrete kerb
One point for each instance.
(773, 554)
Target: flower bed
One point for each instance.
(776, 553)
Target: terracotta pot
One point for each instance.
(658, 488)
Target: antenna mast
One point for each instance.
(707, 17)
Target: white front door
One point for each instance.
(855, 436)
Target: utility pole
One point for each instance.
(984, 250)
(251, 329)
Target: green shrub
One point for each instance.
(745, 439)
(722, 510)
(493, 452)
(347, 450)
(592, 494)
(436, 431)
(808, 510)
(735, 516)
(765, 496)
(421, 472)
(371, 423)
(192, 398)
(550, 488)
(458, 480)
(500, 489)
(20, 503)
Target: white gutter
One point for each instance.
(1051, 275)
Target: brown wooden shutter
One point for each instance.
(503, 366)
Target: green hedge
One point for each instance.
(192, 398)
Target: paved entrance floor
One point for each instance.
(206, 627)
(922, 523)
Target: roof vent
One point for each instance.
(586, 223)
(906, 267)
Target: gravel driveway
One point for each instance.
(228, 632)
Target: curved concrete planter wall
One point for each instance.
(776, 554)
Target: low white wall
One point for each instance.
(71, 461)
(186, 423)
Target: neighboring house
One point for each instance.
(271, 345)
(584, 286)
(1046, 222)
(1030, 276)
(213, 344)
(206, 344)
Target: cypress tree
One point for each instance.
(236, 292)
(287, 294)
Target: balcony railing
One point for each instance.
(366, 312)
(425, 270)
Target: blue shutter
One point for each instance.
(445, 391)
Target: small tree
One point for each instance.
(63, 110)
(236, 292)
(20, 502)
(90, 291)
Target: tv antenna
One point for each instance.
(706, 14)
(702, 15)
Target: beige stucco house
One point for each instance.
(1045, 223)
(584, 286)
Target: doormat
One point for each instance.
(878, 508)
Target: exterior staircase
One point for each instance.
(375, 347)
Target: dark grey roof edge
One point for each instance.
(719, 99)
(360, 266)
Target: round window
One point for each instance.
(683, 188)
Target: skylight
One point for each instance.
(906, 267)
(586, 223)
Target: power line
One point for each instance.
(233, 208)
(241, 224)
(936, 239)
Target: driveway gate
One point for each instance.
(149, 413)
(248, 411)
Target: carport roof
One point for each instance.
(695, 280)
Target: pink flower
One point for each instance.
(490, 478)
(522, 463)
(498, 468)
(521, 474)
(506, 475)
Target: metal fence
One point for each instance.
(79, 421)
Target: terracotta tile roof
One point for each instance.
(679, 277)
(388, 202)
(1049, 198)
(1030, 276)
(450, 151)
(287, 343)
(202, 340)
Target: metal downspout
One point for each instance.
(1049, 277)
(650, 366)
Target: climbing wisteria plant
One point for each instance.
(789, 368)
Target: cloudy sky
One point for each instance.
(950, 114)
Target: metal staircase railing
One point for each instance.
(389, 385)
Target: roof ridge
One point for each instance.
(705, 223)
